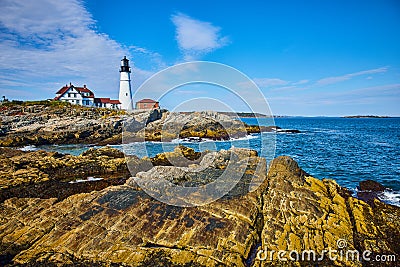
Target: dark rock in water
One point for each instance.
(288, 131)
(369, 190)
(276, 129)
(370, 185)
(123, 226)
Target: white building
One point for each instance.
(125, 92)
(107, 103)
(84, 97)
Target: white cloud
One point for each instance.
(336, 79)
(277, 83)
(265, 82)
(373, 94)
(195, 37)
(301, 82)
(285, 88)
(45, 44)
(154, 57)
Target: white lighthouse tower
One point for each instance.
(125, 92)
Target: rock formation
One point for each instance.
(20, 167)
(123, 226)
(61, 123)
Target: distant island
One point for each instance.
(366, 116)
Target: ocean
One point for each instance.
(348, 150)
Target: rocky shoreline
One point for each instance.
(48, 123)
(47, 221)
(51, 216)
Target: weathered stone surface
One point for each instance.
(192, 126)
(18, 168)
(181, 156)
(61, 123)
(122, 225)
(104, 151)
(303, 213)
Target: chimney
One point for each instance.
(84, 86)
(70, 84)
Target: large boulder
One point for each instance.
(181, 156)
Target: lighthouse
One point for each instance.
(125, 92)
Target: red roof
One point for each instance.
(61, 92)
(147, 100)
(83, 90)
(101, 100)
(64, 89)
(106, 101)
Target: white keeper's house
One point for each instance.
(85, 97)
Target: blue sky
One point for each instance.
(308, 57)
